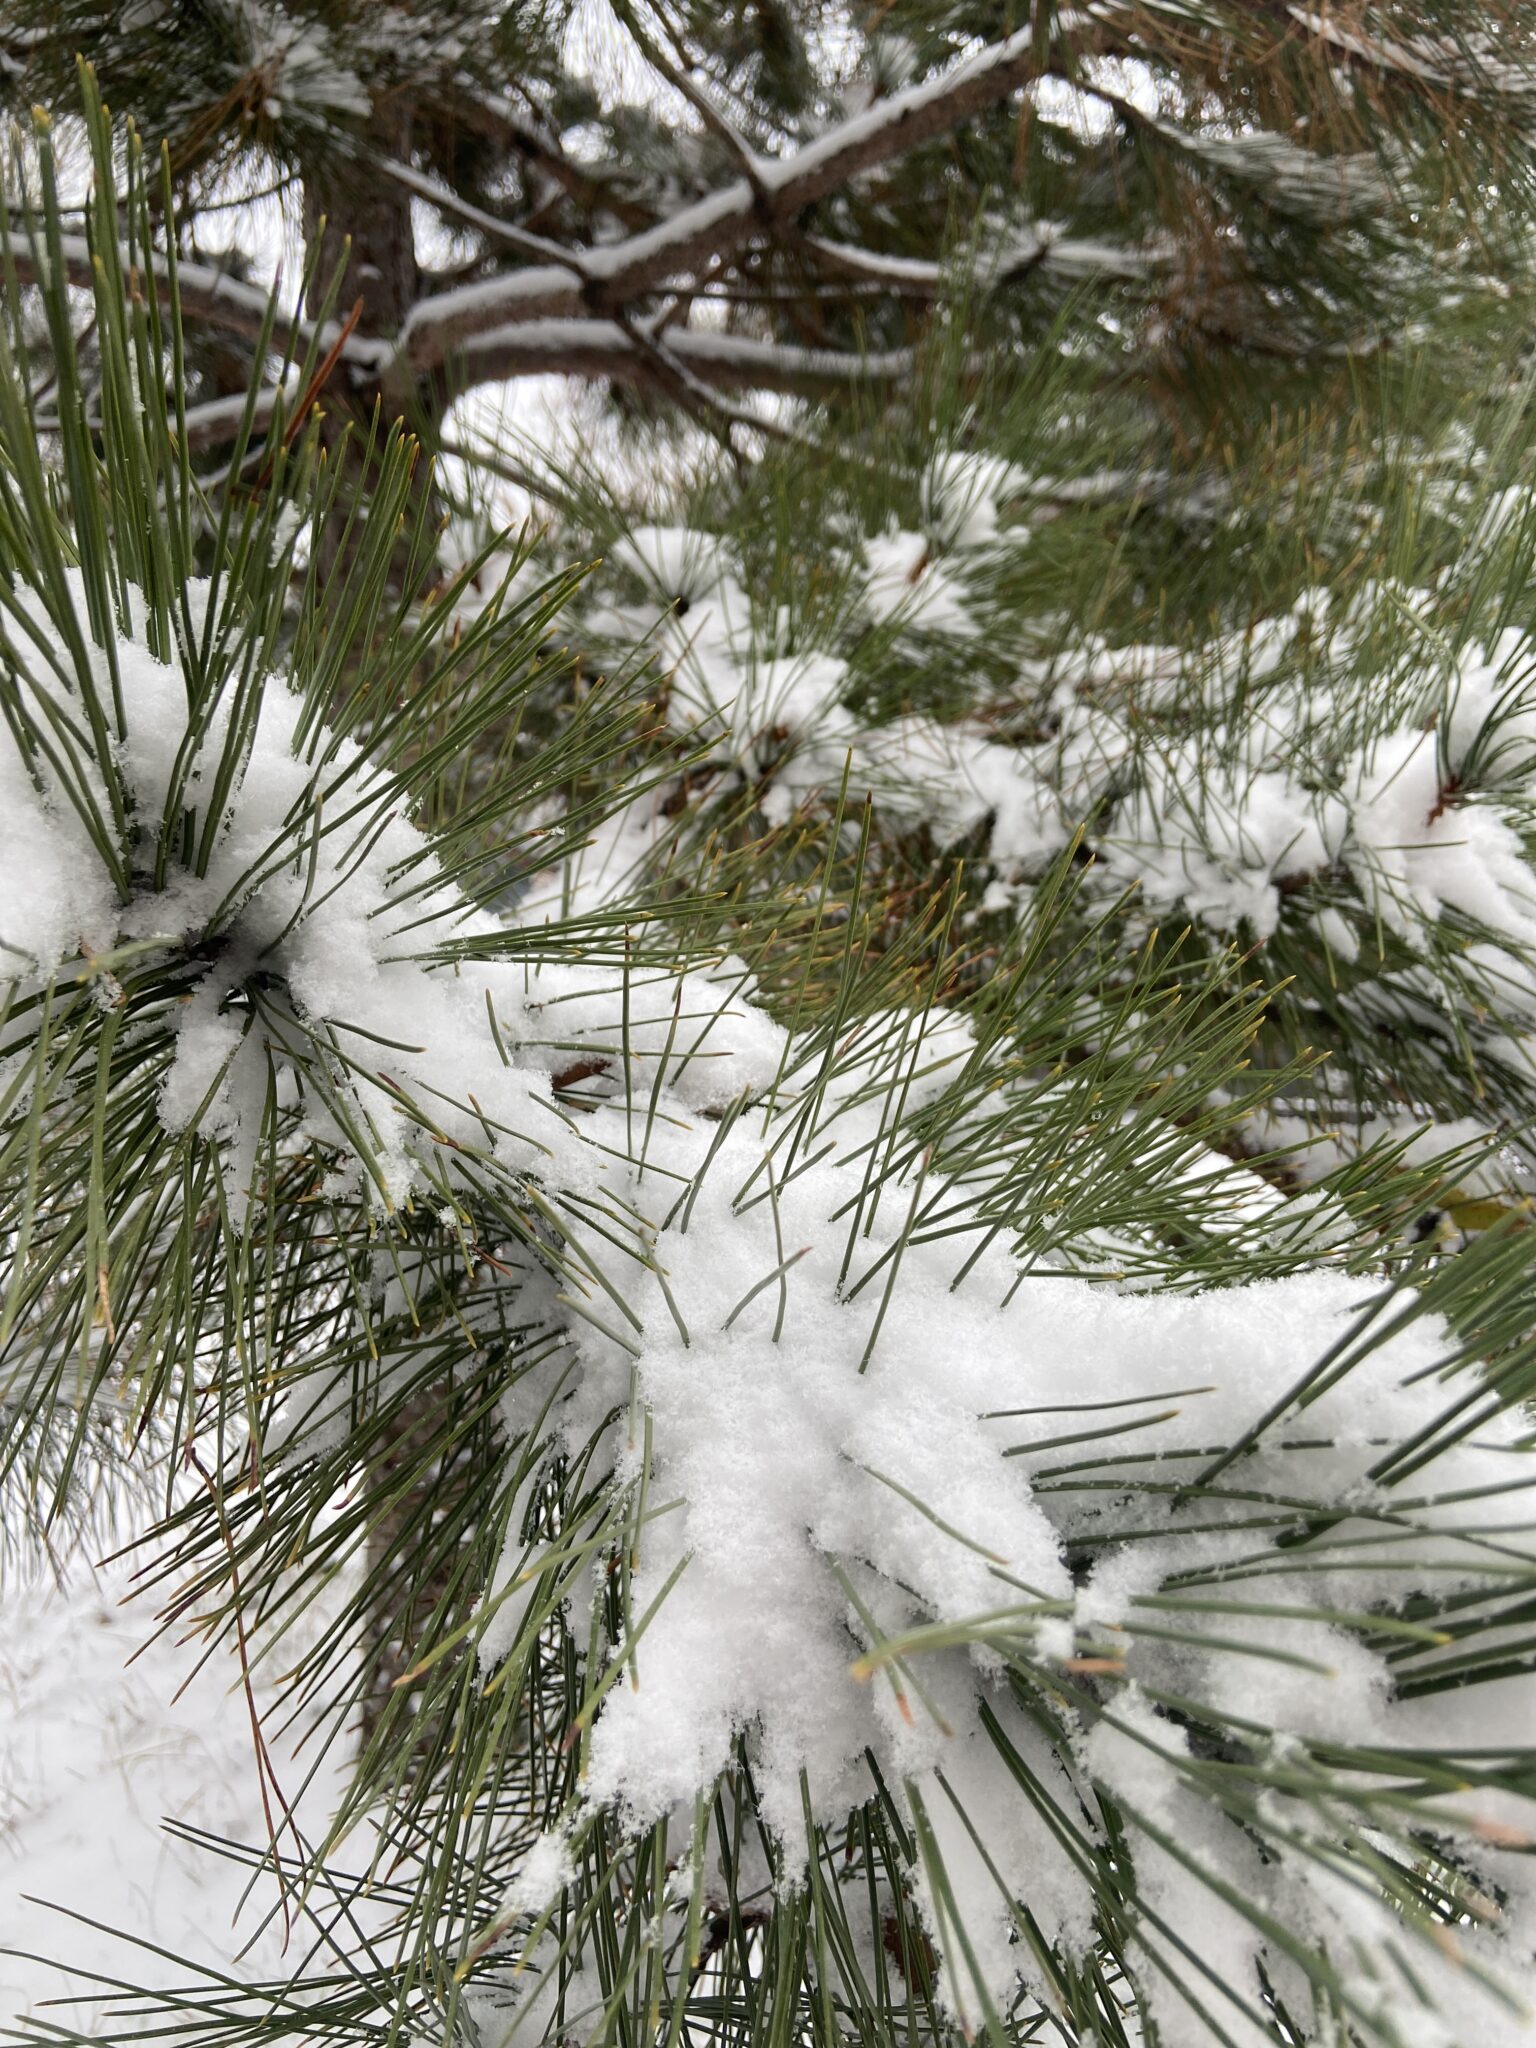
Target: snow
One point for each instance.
(304, 68)
(898, 270)
(1292, 179)
(838, 1413)
(677, 561)
(1417, 853)
(905, 584)
(314, 876)
(840, 1476)
(837, 1476)
(711, 1040)
(963, 493)
(889, 1486)
(97, 1753)
(56, 894)
(1225, 863)
(1316, 782)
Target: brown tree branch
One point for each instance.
(727, 220)
(722, 362)
(602, 349)
(206, 295)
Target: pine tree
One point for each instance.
(888, 1131)
(769, 198)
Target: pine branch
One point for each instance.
(1427, 59)
(206, 296)
(724, 362)
(729, 219)
(611, 1120)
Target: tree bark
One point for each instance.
(365, 231)
(359, 233)
(362, 229)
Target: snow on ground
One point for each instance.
(95, 1754)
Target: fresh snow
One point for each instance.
(107, 1733)
(1215, 783)
(802, 1335)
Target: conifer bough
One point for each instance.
(766, 227)
(904, 1538)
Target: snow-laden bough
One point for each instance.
(1163, 1619)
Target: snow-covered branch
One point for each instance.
(205, 294)
(902, 273)
(724, 362)
(727, 220)
(564, 313)
(1469, 64)
(216, 423)
(456, 208)
(597, 187)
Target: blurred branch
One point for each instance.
(208, 296)
(727, 220)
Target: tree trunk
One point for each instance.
(365, 229)
(361, 229)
